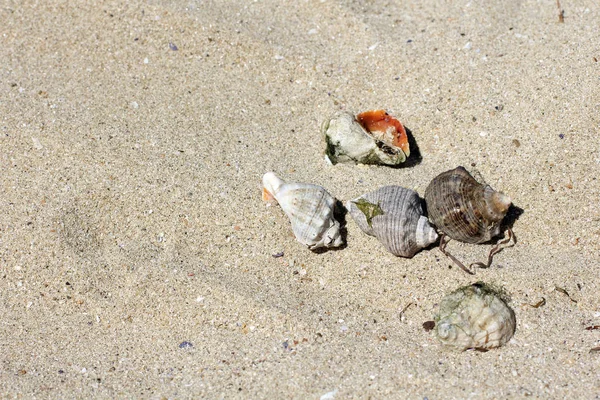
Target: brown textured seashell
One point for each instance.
(393, 215)
(463, 208)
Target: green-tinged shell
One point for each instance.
(393, 215)
(475, 316)
(370, 210)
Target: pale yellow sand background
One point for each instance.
(131, 218)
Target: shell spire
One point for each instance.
(310, 209)
(271, 185)
(497, 204)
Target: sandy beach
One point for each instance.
(136, 253)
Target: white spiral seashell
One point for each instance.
(310, 209)
(474, 316)
(393, 215)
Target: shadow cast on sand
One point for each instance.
(498, 243)
(339, 213)
(513, 214)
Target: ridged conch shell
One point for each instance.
(373, 137)
(463, 208)
(310, 209)
(393, 215)
(474, 316)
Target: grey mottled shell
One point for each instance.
(393, 215)
(463, 208)
(347, 141)
(310, 209)
(474, 316)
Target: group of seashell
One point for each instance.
(458, 205)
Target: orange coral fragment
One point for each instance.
(381, 124)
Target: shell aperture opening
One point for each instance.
(382, 126)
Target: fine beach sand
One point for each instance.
(137, 255)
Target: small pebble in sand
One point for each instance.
(173, 46)
(36, 143)
(428, 325)
(185, 345)
(329, 395)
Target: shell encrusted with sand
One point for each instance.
(310, 209)
(463, 208)
(474, 316)
(393, 215)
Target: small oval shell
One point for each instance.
(393, 215)
(463, 208)
(474, 316)
(373, 137)
(310, 209)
